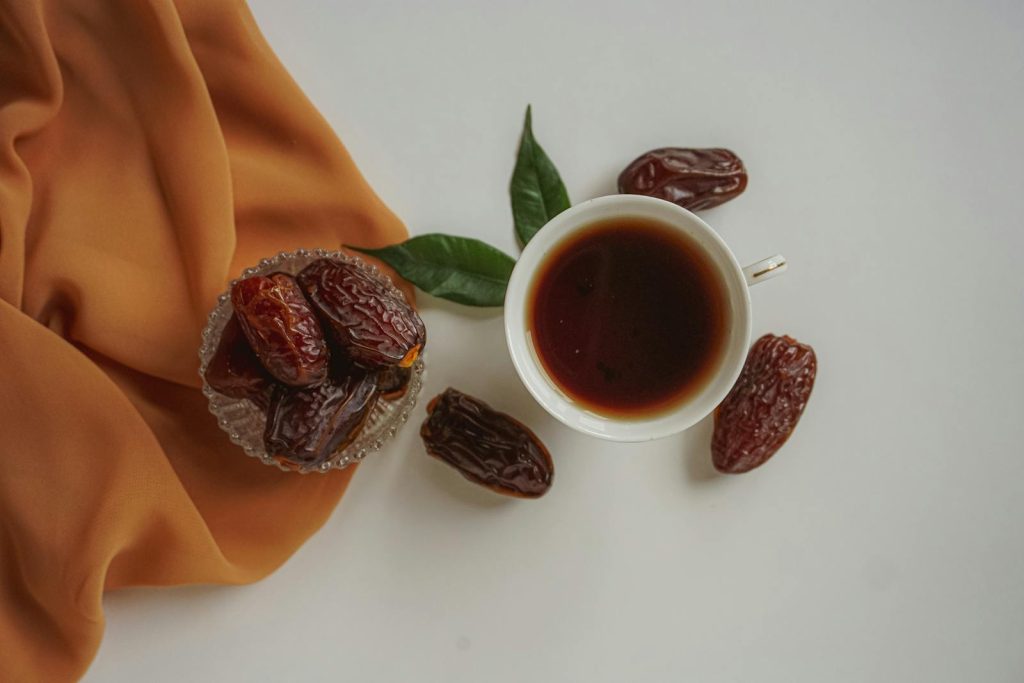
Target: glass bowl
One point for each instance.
(244, 422)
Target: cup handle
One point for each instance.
(765, 269)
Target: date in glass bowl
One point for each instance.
(244, 422)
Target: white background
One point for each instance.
(884, 142)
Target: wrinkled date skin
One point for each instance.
(235, 371)
(281, 328)
(765, 404)
(376, 328)
(392, 382)
(694, 179)
(486, 447)
(305, 426)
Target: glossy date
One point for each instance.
(375, 327)
(692, 178)
(281, 328)
(486, 447)
(765, 404)
(235, 371)
(305, 426)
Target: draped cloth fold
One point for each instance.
(149, 151)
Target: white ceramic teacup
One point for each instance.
(738, 320)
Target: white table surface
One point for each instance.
(884, 142)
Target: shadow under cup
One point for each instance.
(560, 236)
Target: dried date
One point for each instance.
(486, 447)
(235, 371)
(692, 178)
(305, 426)
(764, 405)
(393, 381)
(281, 328)
(375, 327)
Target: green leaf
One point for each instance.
(538, 193)
(460, 269)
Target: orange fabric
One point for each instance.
(149, 151)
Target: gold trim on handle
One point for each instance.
(768, 269)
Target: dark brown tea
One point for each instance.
(628, 317)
